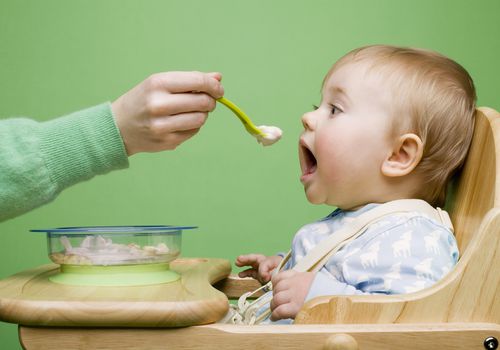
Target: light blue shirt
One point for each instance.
(400, 253)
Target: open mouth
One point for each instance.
(308, 163)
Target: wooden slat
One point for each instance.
(311, 337)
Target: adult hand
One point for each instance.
(290, 289)
(166, 109)
(261, 266)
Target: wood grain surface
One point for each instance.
(29, 298)
(290, 337)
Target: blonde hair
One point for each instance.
(434, 97)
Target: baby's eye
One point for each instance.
(335, 109)
(315, 107)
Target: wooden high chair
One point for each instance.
(462, 311)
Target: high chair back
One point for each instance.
(478, 186)
(469, 292)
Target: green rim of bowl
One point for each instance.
(115, 276)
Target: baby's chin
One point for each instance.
(318, 200)
(313, 198)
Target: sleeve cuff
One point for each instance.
(81, 145)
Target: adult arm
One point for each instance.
(40, 159)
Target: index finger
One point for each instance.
(177, 82)
(248, 259)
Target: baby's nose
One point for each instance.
(308, 121)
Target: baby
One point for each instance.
(393, 123)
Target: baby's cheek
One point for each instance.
(334, 159)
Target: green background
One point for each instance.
(61, 56)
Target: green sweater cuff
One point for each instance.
(81, 145)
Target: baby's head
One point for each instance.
(393, 123)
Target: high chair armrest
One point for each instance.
(352, 309)
(234, 286)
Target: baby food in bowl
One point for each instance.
(114, 255)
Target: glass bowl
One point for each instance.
(114, 255)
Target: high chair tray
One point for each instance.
(29, 298)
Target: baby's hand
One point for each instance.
(261, 266)
(290, 289)
(165, 110)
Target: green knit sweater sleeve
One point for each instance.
(39, 160)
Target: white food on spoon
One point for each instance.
(271, 135)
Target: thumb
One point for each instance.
(265, 270)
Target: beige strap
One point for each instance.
(320, 254)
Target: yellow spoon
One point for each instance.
(251, 128)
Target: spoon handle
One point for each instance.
(251, 128)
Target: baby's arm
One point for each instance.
(261, 266)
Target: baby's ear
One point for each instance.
(405, 156)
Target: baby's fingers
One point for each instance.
(249, 260)
(265, 270)
(283, 311)
(281, 306)
(265, 276)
